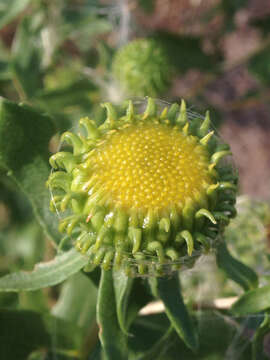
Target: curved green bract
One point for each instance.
(142, 68)
(121, 227)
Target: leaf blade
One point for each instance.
(253, 301)
(168, 290)
(44, 274)
(24, 139)
(122, 288)
(113, 340)
(236, 270)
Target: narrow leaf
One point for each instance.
(45, 274)
(24, 139)
(113, 340)
(236, 270)
(131, 295)
(253, 301)
(122, 288)
(168, 290)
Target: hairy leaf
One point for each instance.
(24, 139)
(45, 274)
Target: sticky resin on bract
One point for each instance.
(148, 192)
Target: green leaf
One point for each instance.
(131, 295)
(113, 340)
(253, 301)
(10, 9)
(122, 287)
(24, 139)
(77, 301)
(45, 274)
(235, 270)
(168, 290)
(25, 62)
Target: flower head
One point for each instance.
(142, 67)
(145, 190)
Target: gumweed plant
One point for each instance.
(145, 193)
(139, 198)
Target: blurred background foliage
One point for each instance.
(57, 56)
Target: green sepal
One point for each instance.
(91, 128)
(188, 215)
(135, 235)
(202, 239)
(204, 128)
(158, 248)
(173, 110)
(201, 214)
(73, 140)
(151, 109)
(186, 235)
(182, 117)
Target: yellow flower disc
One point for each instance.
(148, 167)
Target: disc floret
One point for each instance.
(146, 191)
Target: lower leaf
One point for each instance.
(168, 290)
(113, 340)
(45, 274)
(236, 270)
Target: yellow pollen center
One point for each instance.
(151, 167)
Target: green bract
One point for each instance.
(147, 191)
(142, 68)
